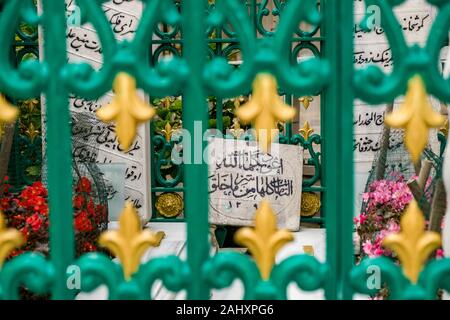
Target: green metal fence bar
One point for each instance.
(58, 147)
(222, 41)
(415, 74)
(195, 77)
(25, 151)
(337, 133)
(196, 172)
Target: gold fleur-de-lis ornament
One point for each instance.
(265, 240)
(9, 240)
(32, 132)
(416, 116)
(31, 104)
(167, 101)
(444, 129)
(168, 131)
(306, 131)
(413, 244)
(306, 101)
(265, 109)
(129, 242)
(127, 109)
(236, 130)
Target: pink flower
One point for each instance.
(362, 218)
(372, 249)
(367, 247)
(393, 227)
(366, 196)
(392, 195)
(377, 252)
(439, 253)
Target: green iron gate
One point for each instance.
(222, 40)
(266, 60)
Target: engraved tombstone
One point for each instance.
(84, 46)
(241, 175)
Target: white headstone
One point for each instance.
(415, 18)
(241, 175)
(84, 46)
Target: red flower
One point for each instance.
(16, 253)
(82, 222)
(101, 211)
(78, 201)
(84, 185)
(25, 233)
(91, 207)
(89, 247)
(4, 203)
(28, 213)
(35, 221)
(6, 188)
(39, 204)
(39, 189)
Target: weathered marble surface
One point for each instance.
(97, 138)
(241, 176)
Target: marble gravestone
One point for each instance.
(84, 46)
(241, 175)
(415, 18)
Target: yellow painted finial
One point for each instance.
(306, 131)
(8, 112)
(168, 131)
(444, 129)
(416, 116)
(127, 109)
(413, 244)
(265, 109)
(129, 242)
(9, 240)
(265, 240)
(306, 101)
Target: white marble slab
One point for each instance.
(83, 45)
(241, 176)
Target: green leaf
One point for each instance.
(33, 171)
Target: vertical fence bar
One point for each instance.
(289, 98)
(152, 169)
(195, 114)
(337, 147)
(58, 147)
(219, 114)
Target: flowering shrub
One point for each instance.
(390, 195)
(28, 212)
(385, 201)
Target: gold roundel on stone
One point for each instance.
(169, 205)
(310, 204)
